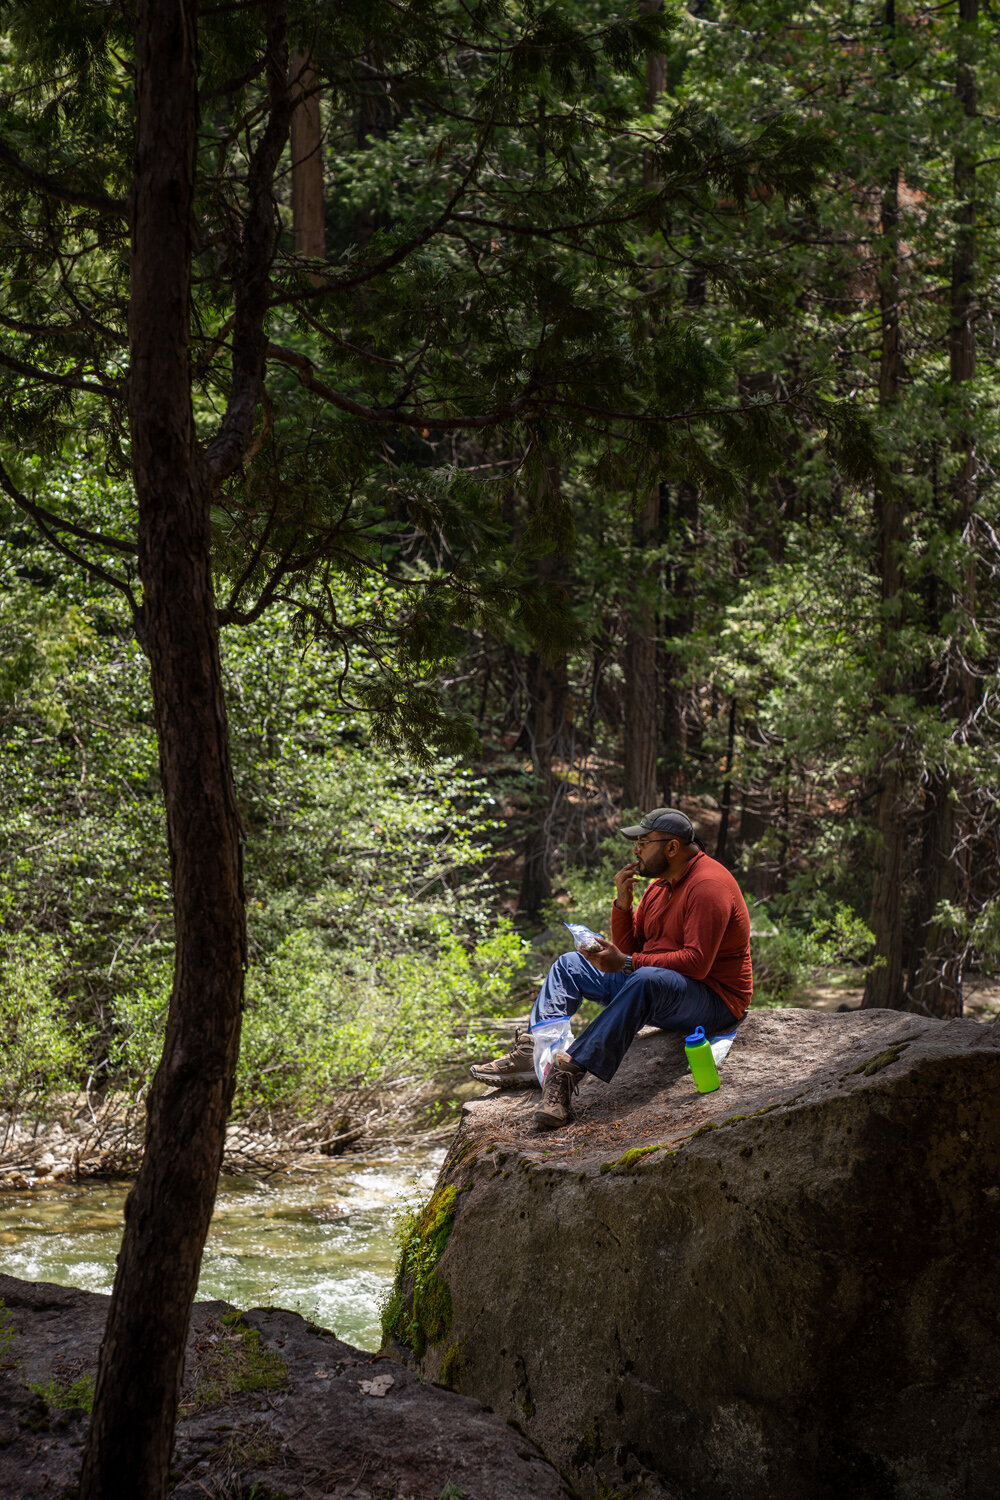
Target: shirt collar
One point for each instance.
(673, 884)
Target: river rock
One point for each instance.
(784, 1290)
(335, 1423)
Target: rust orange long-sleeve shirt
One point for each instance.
(699, 925)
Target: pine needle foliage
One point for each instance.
(500, 294)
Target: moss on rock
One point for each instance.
(452, 1365)
(881, 1060)
(418, 1311)
(630, 1158)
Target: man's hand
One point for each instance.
(606, 957)
(624, 881)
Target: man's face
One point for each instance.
(653, 853)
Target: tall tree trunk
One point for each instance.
(308, 230)
(722, 840)
(641, 716)
(938, 988)
(640, 657)
(884, 985)
(547, 730)
(681, 522)
(375, 120)
(168, 1211)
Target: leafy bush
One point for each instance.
(42, 1050)
(783, 964)
(786, 957)
(372, 942)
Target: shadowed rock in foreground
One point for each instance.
(786, 1290)
(272, 1406)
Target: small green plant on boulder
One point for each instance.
(58, 1393)
(236, 1361)
(631, 1158)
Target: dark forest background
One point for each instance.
(785, 623)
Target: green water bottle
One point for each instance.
(702, 1063)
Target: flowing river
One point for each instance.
(322, 1244)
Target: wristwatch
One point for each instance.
(629, 967)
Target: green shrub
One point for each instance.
(373, 945)
(58, 1393)
(42, 1049)
(786, 957)
(783, 963)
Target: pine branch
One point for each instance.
(51, 187)
(50, 525)
(258, 243)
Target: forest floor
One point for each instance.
(87, 1138)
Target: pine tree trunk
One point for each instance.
(884, 983)
(168, 1210)
(308, 231)
(938, 987)
(726, 805)
(641, 717)
(678, 623)
(547, 730)
(640, 656)
(545, 723)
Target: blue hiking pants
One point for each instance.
(647, 997)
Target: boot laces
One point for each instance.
(560, 1085)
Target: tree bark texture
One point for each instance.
(167, 1213)
(641, 716)
(884, 983)
(937, 990)
(547, 686)
(726, 804)
(548, 734)
(375, 120)
(640, 658)
(678, 623)
(308, 231)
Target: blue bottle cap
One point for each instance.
(696, 1038)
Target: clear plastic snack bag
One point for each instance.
(721, 1044)
(583, 937)
(549, 1038)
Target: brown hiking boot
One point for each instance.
(561, 1084)
(515, 1070)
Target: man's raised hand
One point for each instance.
(624, 881)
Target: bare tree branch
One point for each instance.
(46, 522)
(388, 414)
(258, 244)
(48, 377)
(53, 188)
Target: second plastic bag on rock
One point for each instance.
(721, 1044)
(549, 1038)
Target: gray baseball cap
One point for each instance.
(668, 820)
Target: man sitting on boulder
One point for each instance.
(680, 961)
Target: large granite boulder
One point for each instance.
(785, 1290)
